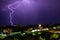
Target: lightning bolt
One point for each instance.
(12, 7)
(10, 15)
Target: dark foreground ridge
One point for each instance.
(30, 32)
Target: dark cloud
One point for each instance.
(42, 11)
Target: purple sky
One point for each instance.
(31, 12)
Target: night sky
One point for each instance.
(31, 12)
